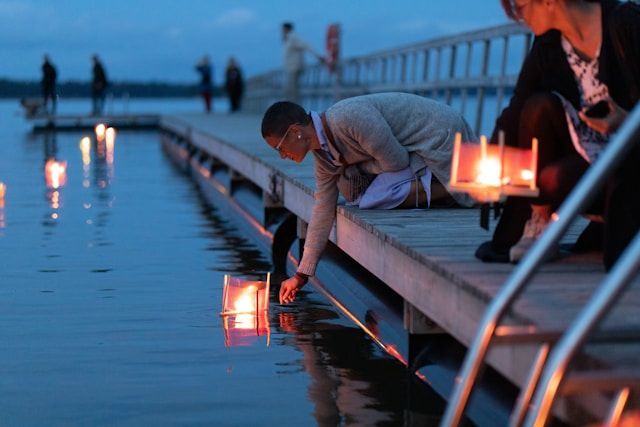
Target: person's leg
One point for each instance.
(622, 208)
(206, 97)
(543, 118)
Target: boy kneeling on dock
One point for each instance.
(381, 151)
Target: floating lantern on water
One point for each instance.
(85, 148)
(55, 173)
(110, 142)
(489, 173)
(245, 305)
(100, 130)
(244, 296)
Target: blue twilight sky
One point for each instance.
(162, 39)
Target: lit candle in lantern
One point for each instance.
(100, 130)
(245, 306)
(242, 296)
(491, 172)
(55, 173)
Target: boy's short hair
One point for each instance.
(280, 116)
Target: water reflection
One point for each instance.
(352, 381)
(242, 330)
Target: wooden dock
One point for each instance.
(86, 122)
(426, 256)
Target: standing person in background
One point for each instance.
(98, 86)
(206, 88)
(234, 84)
(294, 49)
(49, 76)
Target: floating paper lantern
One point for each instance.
(245, 306)
(489, 173)
(55, 173)
(245, 296)
(100, 130)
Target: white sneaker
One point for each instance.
(534, 227)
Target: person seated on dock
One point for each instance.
(381, 151)
(585, 58)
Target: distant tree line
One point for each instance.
(79, 89)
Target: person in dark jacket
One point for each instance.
(585, 58)
(234, 84)
(98, 86)
(49, 76)
(206, 88)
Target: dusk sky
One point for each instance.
(146, 40)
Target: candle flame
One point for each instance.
(489, 171)
(100, 131)
(55, 173)
(85, 148)
(526, 174)
(246, 302)
(110, 141)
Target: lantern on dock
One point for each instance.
(489, 173)
(55, 173)
(245, 307)
(100, 130)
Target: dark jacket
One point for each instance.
(546, 69)
(234, 83)
(49, 76)
(99, 78)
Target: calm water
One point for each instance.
(110, 291)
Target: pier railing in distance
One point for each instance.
(468, 71)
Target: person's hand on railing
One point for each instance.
(610, 122)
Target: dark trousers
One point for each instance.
(560, 167)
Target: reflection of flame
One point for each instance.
(100, 131)
(3, 190)
(85, 148)
(489, 171)
(110, 142)
(55, 173)
(246, 329)
(55, 199)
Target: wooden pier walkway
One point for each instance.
(426, 256)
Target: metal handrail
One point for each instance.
(476, 62)
(579, 199)
(599, 305)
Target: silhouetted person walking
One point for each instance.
(206, 88)
(99, 86)
(234, 84)
(49, 76)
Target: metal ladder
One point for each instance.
(550, 365)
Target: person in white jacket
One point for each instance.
(294, 50)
